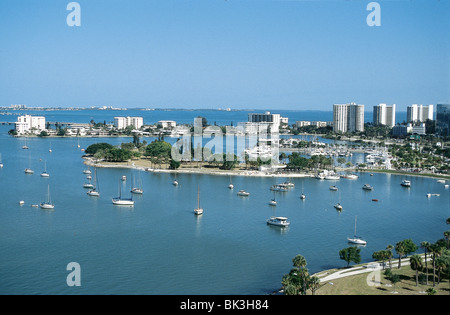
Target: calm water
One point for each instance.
(160, 247)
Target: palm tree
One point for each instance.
(435, 251)
(297, 281)
(299, 261)
(314, 284)
(447, 237)
(400, 249)
(390, 248)
(441, 264)
(416, 264)
(425, 246)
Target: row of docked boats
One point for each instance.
(328, 175)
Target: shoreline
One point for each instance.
(198, 171)
(145, 165)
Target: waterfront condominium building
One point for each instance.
(28, 123)
(419, 113)
(384, 115)
(443, 119)
(348, 117)
(267, 117)
(123, 122)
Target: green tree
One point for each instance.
(415, 262)
(425, 246)
(174, 164)
(401, 250)
(435, 250)
(447, 237)
(314, 284)
(298, 280)
(93, 148)
(382, 255)
(390, 248)
(229, 161)
(350, 254)
(159, 151)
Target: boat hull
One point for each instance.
(47, 206)
(356, 241)
(123, 202)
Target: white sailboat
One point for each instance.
(137, 189)
(25, 145)
(355, 239)
(88, 184)
(1, 163)
(28, 170)
(47, 204)
(44, 173)
(198, 210)
(95, 189)
(119, 201)
(302, 196)
(88, 171)
(273, 202)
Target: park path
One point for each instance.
(329, 275)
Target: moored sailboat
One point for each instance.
(47, 204)
(95, 189)
(356, 239)
(119, 201)
(198, 210)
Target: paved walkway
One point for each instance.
(326, 276)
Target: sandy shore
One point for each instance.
(146, 165)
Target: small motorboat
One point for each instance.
(243, 193)
(367, 187)
(333, 188)
(338, 206)
(272, 202)
(278, 221)
(406, 183)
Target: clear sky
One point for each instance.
(266, 54)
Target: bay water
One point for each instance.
(160, 247)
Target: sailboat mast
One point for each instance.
(48, 194)
(198, 197)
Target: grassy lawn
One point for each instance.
(358, 285)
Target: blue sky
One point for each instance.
(266, 54)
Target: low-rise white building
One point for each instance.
(167, 123)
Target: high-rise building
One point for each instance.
(348, 117)
(443, 119)
(419, 113)
(384, 115)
